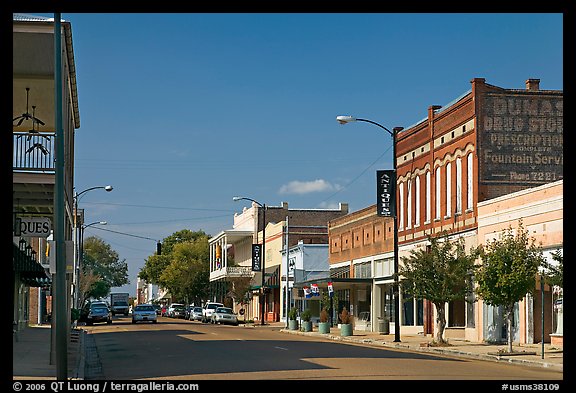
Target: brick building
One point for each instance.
(487, 143)
(231, 252)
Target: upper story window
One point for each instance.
(401, 218)
(469, 181)
(448, 189)
(428, 197)
(438, 194)
(417, 205)
(459, 185)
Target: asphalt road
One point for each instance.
(175, 349)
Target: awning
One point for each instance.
(336, 282)
(28, 269)
(271, 280)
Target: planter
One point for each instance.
(346, 329)
(306, 326)
(292, 324)
(324, 327)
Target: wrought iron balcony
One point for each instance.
(33, 152)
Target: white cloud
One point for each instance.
(306, 187)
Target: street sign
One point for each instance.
(256, 257)
(386, 193)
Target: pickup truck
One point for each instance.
(208, 309)
(119, 303)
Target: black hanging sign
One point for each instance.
(386, 193)
(256, 257)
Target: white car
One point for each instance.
(144, 313)
(208, 309)
(224, 315)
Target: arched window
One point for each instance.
(401, 215)
(409, 204)
(459, 185)
(469, 182)
(417, 206)
(438, 193)
(448, 189)
(428, 197)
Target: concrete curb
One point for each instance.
(452, 352)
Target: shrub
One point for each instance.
(306, 315)
(293, 313)
(323, 315)
(345, 316)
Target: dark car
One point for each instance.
(98, 313)
(158, 309)
(188, 311)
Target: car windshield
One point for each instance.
(197, 309)
(144, 308)
(224, 310)
(99, 309)
(178, 307)
(212, 306)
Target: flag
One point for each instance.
(307, 293)
(315, 290)
(330, 289)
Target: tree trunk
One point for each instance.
(509, 313)
(440, 322)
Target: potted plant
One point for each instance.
(345, 323)
(292, 322)
(324, 325)
(305, 316)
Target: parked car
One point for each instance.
(195, 314)
(176, 310)
(158, 309)
(144, 312)
(98, 313)
(208, 309)
(224, 315)
(187, 311)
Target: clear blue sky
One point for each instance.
(181, 112)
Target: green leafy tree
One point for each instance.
(102, 269)
(183, 267)
(440, 273)
(508, 271)
(554, 272)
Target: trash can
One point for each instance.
(383, 325)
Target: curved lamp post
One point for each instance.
(262, 268)
(77, 197)
(393, 133)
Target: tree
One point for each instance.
(554, 272)
(508, 271)
(102, 269)
(183, 267)
(440, 273)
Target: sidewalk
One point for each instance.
(525, 354)
(31, 354)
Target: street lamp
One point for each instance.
(393, 133)
(77, 197)
(262, 268)
(80, 260)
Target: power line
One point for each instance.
(126, 234)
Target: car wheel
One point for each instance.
(154, 321)
(109, 322)
(133, 321)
